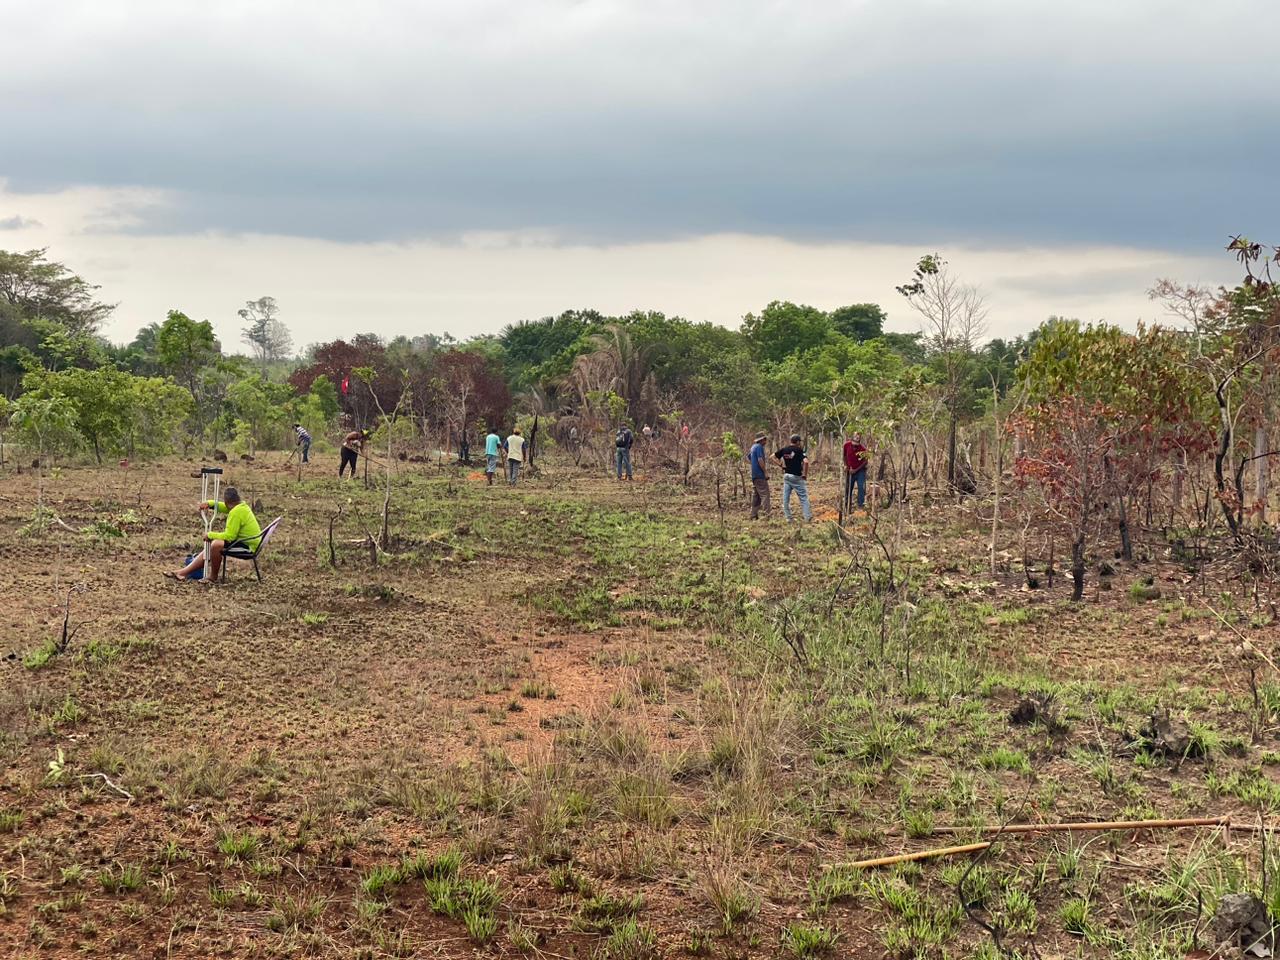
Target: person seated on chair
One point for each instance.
(242, 527)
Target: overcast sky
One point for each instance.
(410, 166)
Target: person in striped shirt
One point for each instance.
(304, 440)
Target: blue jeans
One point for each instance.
(860, 480)
(513, 471)
(622, 458)
(790, 482)
(306, 448)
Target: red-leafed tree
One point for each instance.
(338, 360)
(467, 388)
(1066, 442)
(1110, 412)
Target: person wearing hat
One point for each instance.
(242, 528)
(759, 478)
(515, 456)
(795, 476)
(855, 472)
(351, 445)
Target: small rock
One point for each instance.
(1242, 921)
(1167, 736)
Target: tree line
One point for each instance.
(1089, 430)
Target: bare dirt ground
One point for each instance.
(583, 690)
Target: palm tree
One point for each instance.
(616, 364)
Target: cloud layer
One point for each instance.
(481, 282)
(603, 121)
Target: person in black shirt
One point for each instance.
(622, 450)
(795, 476)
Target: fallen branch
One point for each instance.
(905, 857)
(107, 780)
(1095, 825)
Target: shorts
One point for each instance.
(491, 463)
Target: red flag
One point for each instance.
(346, 382)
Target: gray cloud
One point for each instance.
(18, 222)
(603, 120)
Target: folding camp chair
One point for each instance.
(243, 550)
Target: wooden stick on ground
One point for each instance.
(1029, 828)
(1095, 825)
(904, 857)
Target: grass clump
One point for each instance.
(628, 940)
(41, 657)
(238, 847)
(474, 902)
(120, 878)
(804, 940)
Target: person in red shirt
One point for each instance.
(855, 471)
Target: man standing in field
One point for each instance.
(795, 476)
(351, 445)
(492, 450)
(304, 440)
(622, 450)
(759, 478)
(855, 471)
(515, 456)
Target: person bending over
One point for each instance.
(242, 529)
(351, 445)
(304, 441)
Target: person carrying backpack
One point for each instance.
(622, 450)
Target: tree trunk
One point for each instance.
(1220, 458)
(951, 452)
(1077, 568)
(1179, 475)
(1261, 471)
(1126, 543)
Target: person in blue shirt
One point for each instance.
(492, 450)
(759, 479)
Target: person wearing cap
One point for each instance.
(515, 456)
(242, 528)
(759, 478)
(795, 476)
(351, 445)
(304, 440)
(855, 471)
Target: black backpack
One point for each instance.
(621, 439)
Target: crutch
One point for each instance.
(210, 478)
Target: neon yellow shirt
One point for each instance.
(241, 523)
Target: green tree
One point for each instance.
(325, 396)
(257, 408)
(859, 321)
(36, 287)
(265, 333)
(160, 408)
(185, 349)
(784, 328)
(47, 425)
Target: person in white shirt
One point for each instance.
(515, 456)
